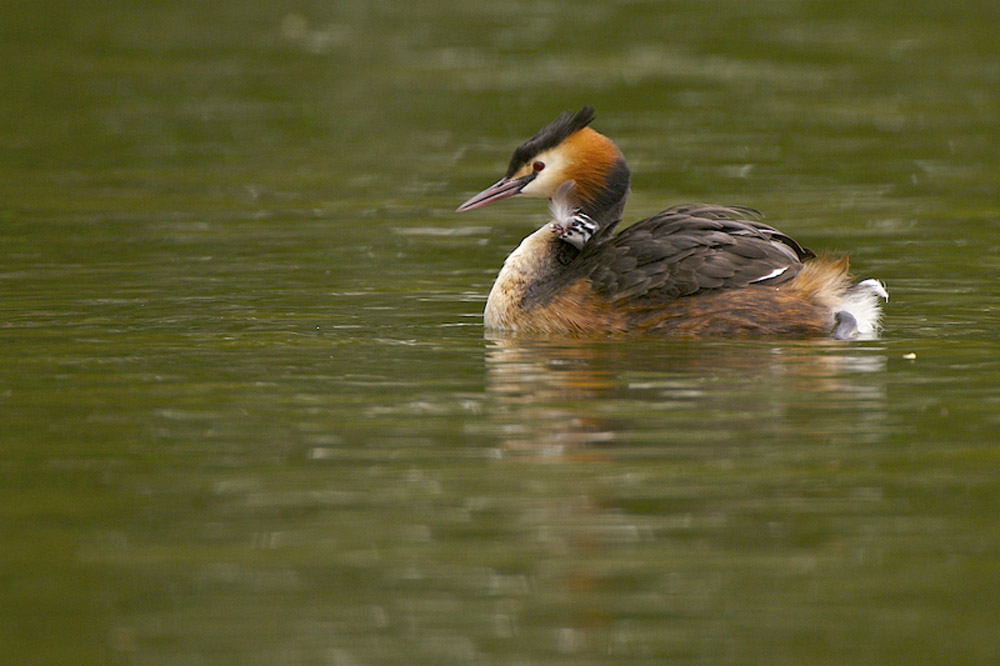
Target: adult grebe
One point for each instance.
(690, 270)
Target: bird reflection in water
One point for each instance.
(581, 396)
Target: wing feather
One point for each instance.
(688, 249)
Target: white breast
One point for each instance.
(530, 261)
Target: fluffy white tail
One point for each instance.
(859, 313)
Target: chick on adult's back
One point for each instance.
(689, 270)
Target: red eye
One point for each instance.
(538, 165)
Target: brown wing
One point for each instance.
(688, 249)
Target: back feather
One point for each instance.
(689, 249)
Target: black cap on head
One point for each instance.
(550, 136)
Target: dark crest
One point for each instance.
(550, 136)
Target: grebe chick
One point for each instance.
(690, 270)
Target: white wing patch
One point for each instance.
(773, 274)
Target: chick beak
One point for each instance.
(502, 189)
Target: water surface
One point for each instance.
(250, 415)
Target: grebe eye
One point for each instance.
(538, 165)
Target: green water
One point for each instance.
(248, 413)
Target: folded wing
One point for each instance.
(686, 250)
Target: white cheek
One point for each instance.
(539, 188)
(551, 177)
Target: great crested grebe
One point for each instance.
(690, 270)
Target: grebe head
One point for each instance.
(565, 150)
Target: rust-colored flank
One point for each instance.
(692, 270)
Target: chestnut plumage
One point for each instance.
(689, 270)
